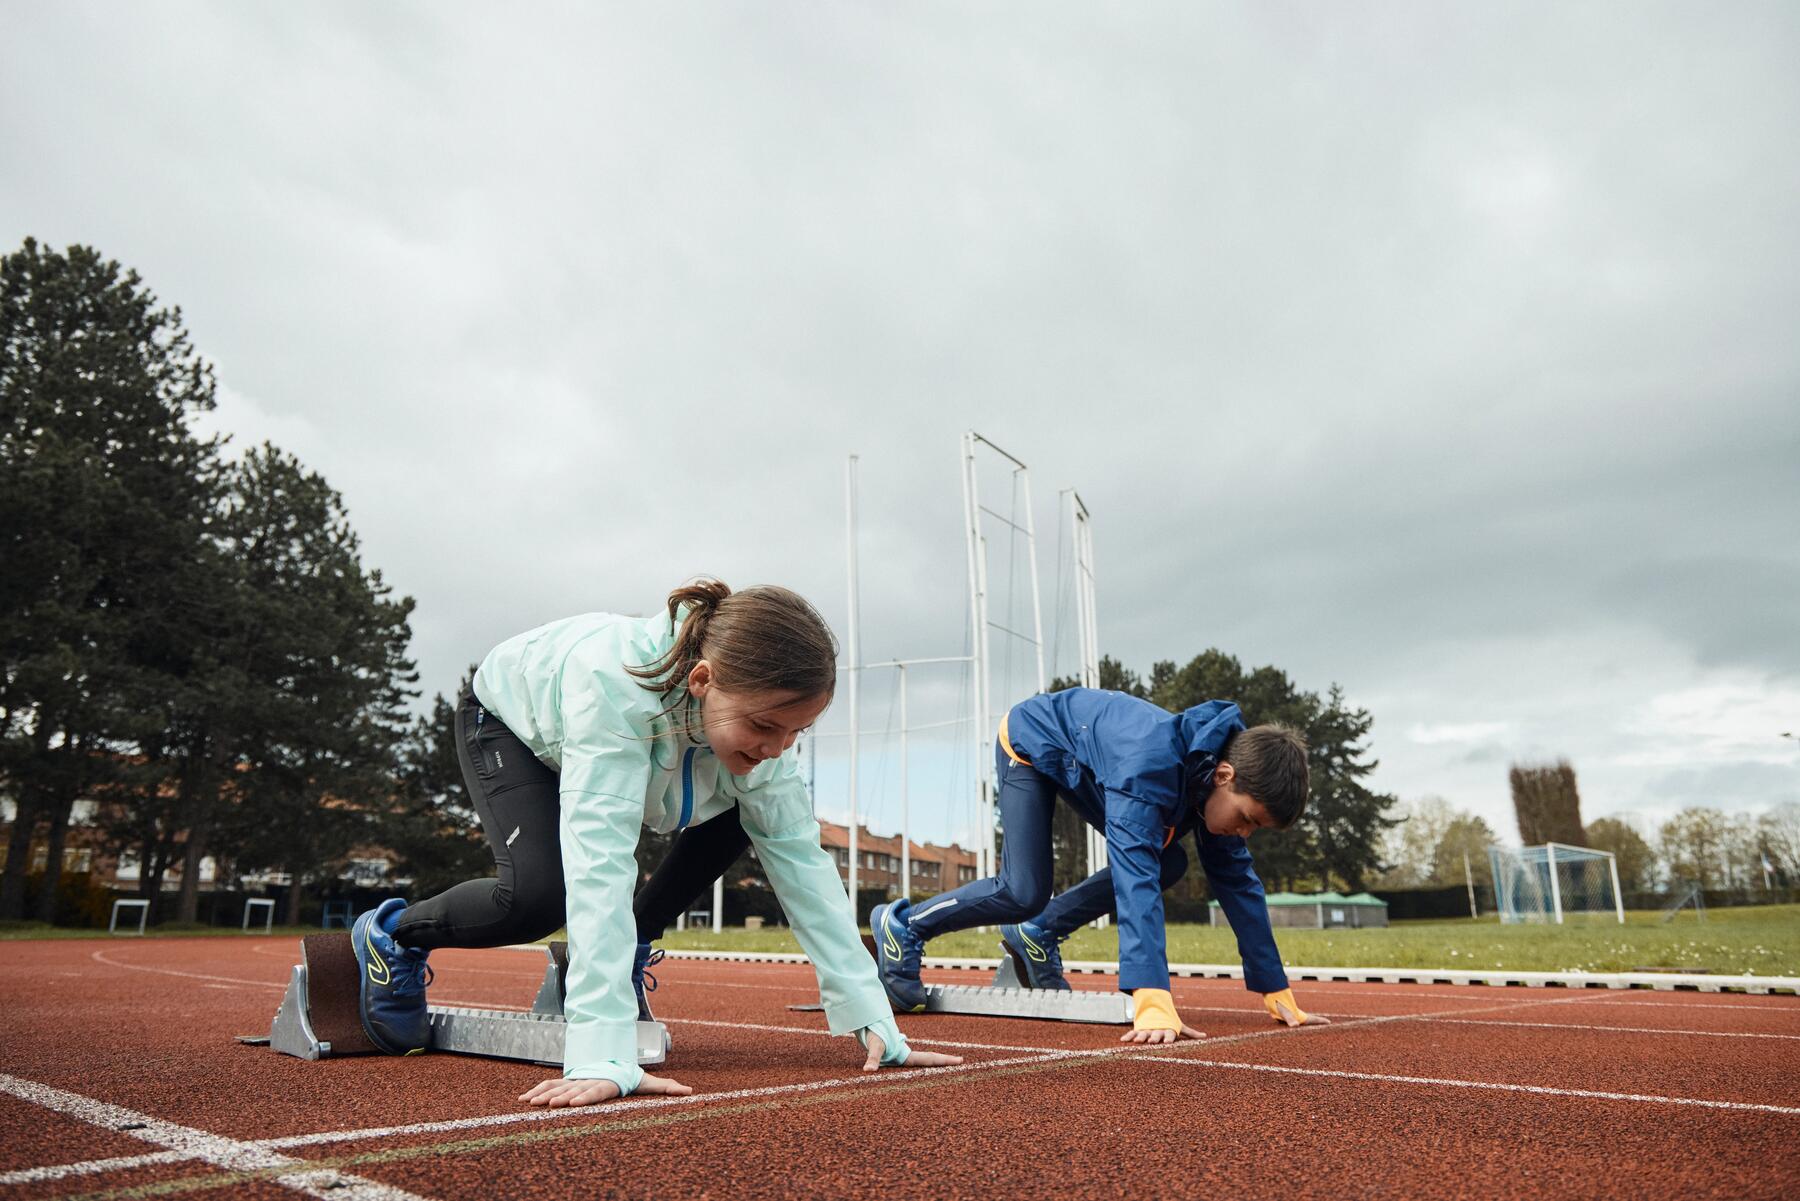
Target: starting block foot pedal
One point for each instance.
(319, 1016)
(1109, 1009)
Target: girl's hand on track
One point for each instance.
(914, 1058)
(561, 1092)
(1160, 1036)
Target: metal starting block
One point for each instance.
(1011, 996)
(319, 1019)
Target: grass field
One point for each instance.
(1760, 940)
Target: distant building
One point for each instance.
(935, 868)
(1319, 911)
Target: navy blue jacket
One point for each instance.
(1140, 773)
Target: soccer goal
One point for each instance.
(1554, 882)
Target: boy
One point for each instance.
(1142, 776)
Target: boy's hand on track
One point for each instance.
(1160, 1036)
(1284, 1009)
(914, 1057)
(561, 1092)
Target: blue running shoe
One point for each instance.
(392, 1000)
(1041, 955)
(897, 954)
(642, 980)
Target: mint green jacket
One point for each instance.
(564, 690)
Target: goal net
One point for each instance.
(1554, 883)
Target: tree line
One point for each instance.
(1700, 844)
(189, 640)
(1338, 841)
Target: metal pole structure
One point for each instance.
(1555, 888)
(718, 914)
(1037, 608)
(855, 652)
(1612, 861)
(1469, 875)
(905, 812)
(1088, 636)
(986, 833)
(977, 648)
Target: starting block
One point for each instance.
(1011, 996)
(319, 1019)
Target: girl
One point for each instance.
(572, 735)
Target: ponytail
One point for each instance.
(703, 596)
(763, 639)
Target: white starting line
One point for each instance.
(1450, 1082)
(185, 1142)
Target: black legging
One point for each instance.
(516, 797)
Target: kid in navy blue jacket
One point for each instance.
(1142, 776)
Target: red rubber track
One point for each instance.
(1395, 1098)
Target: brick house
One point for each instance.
(935, 868)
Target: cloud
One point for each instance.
(1443, 354)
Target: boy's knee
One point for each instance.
(1174, 866)
(1026, 898)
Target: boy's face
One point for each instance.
(1230, 812)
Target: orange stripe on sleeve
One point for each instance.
(1006, 745)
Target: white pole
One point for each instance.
(986, 833)
(1612, 861)
(718, 913)
(1469, 875)
(1089, 636)
(905, 812)
(1037, 608)
(1555, 887)
(855, 660)
(977, 647)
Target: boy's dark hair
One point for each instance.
(764, 639)
(1270, 762)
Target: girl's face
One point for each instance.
(746, 728)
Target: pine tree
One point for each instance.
(105, 493)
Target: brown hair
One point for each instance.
(763, 639)
(1271, 767)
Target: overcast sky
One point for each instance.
(1447, 353)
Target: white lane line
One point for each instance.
(1734, 1005)
(1443, 1082)
(118, 1164)
(217, 1150)
(1614, 1029)
(923, 1042)
(100, 957)
(169, 971)
(611, 1109)
(539, 1115)
(1460, 1021)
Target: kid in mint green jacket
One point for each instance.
(573, 736)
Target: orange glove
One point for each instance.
(1154, 1019)
(1284, 1009)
